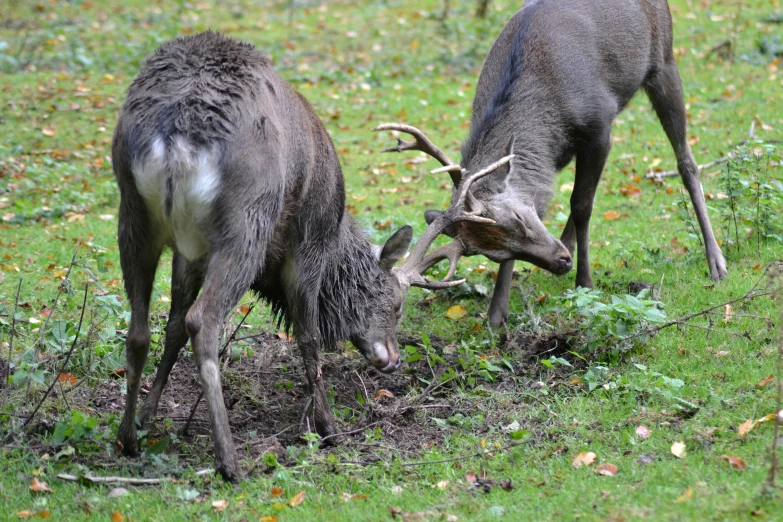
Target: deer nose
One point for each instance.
(563, 265)
(387, 358)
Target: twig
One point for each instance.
(751, 137)
(259, 441)
(133, 481)
(480, 454)
(432, 386)
(352, 432)
(40, 342)
(11, 345)
(778, 280)
(65, 363)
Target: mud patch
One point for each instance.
(267, 399)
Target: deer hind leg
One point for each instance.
(590, 162)
(664, 89)
(186, 280)
(229, 274)
(498, 307)
(139, 259)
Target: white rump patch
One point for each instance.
(179, 185)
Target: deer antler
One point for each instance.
(419, 260)
(423, 144)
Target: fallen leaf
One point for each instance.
(611, 215)
(583, 459)
(347, 497)
(456, 312)
(678, 450)
(764, 382)
(244, 309)
(642, 432)
(607, 470)
(39, 487)
(471, 477)
(285, 337)
(685, 496)
(396, 490)
(117, 492)
(269, 518)
(729, 311)
(68, 377)
(219, 505)
(744, 428)
(735, 462)
(443, 484)
(646, 459)
(276, 492)
(116, 516)
(297, 499)
(383, 393)
(39, 514)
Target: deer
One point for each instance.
(552, 84)
(220, 160)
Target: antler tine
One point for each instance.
(419, 260)
(466, 182)
(422, 143)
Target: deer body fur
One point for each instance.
(220, 160)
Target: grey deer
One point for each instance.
(219, 159)
(553, 82)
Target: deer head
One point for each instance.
(501, 226)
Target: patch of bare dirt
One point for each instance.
(267, 396)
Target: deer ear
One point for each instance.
(498, 181)
(432, 215)
(396, 247)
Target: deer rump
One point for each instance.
(556, 77)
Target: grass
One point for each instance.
(65, 67)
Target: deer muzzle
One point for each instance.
(386, 357)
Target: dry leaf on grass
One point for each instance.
(219, 505)
(39, 487)
(443, 484)
(583, 459)
(347, 497)
(29, 514)
(456, 312)
(607, 470)
(764, 382)
(116, 516)
(729, 311)
(685, 496)
(642, 432)
(611, 215)
(471, 477)
(297, 499)
(269, 518)
(276, 492)
(678, 450)
(735, 462)
(744, 428)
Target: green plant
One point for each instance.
(752, 195)
(617, 320)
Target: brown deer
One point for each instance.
(219, 159)
(553, 82)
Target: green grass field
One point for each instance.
(468, 403)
